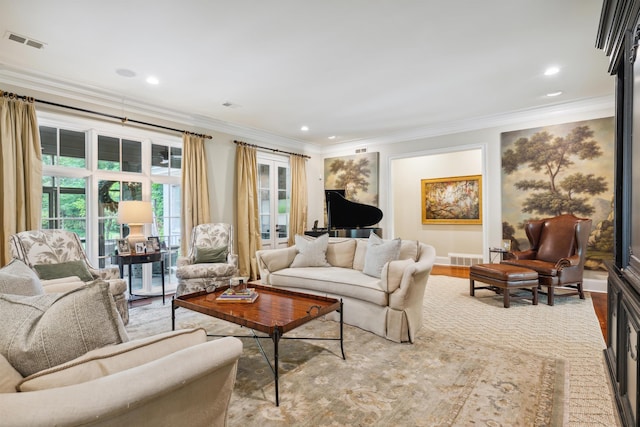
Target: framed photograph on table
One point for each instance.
(454, 200)
(141, 247)
(150, 247)
(153, 243)
(123, 247)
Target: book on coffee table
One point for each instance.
(250, 295)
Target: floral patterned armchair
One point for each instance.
(196, 273)
(37, 247)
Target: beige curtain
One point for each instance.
(298, 211)
(247, 220)
(195, 187)
(20, 170)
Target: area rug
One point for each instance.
(456, 374)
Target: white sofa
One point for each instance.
(389, 306)
(144, 382)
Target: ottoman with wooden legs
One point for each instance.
(502, 278)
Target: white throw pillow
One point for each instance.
(379, 252)
(311, 253)
(18, 279)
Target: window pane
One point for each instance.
(108, 153)
(131, 156)
(131, 191)
(72, 148)
(264, 176)
(159, 159)
(49, 144)
(176, 160)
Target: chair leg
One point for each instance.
(550, 295)
(505, 298)
(580, 290)
(472, 288)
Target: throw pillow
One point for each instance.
(379, 252)
(64, 269)
(311, 253)
(18, 279)
(112, 359)
(42, 331)
(205, 254)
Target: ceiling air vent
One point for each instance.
(24, 40)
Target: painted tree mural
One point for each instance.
(560, 190)
(357, 175)
(560, 169)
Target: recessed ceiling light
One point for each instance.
(152, 80)
(556, 93)
(551, 71)
(124, 72)
(332, 137)
(304, 128)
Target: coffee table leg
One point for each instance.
(276, 338)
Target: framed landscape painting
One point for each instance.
(454, 200)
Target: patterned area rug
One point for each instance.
(458, 372)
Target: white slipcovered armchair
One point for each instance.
(210, 262)
(57, 247)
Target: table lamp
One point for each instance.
(135, 214)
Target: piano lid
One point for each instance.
(343, 213)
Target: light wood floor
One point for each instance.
(599, 299)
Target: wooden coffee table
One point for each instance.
(275, 312)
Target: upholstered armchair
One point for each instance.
(54, 252)
(210, 262)
(558, 251)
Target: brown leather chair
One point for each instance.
(557, 253)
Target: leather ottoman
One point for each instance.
(502, 277)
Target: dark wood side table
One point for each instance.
(141, 259)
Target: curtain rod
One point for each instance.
(271, 149)
(111, 116)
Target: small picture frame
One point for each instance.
(123, 247)
(506, 245)
(154, 243)
(150, 246)
(141, 247)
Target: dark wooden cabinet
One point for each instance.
(619, 37)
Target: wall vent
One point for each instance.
(465, 260)
(24, 40)
(361, 150)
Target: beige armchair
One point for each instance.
(145, 382)
(40, 249)
(210, 262)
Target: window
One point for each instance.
(274, 193)
(90, 166)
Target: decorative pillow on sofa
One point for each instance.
(205, 254)
(42, 331)
(9, 377)
(112, 359)
(18, 279)
(379, 252)
(64, 269)
(340, 253)
(311, 253)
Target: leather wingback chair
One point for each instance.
(557, 253)
(195, 274)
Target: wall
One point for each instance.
(405, 199)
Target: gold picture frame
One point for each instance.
(453, 200)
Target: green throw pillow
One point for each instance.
(211, 255)
(42, 331)
(64, 269)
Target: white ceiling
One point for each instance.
(356, 69)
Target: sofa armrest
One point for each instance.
(270, 260)
(528, 254)
(183, 260)
(106, 273)
(141, 395)
(410, 291)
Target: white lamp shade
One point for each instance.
(134, 212)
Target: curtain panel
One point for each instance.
(20, 170)
(298, 210)
(247, 214)
(195, 187)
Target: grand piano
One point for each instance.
(348, 219)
